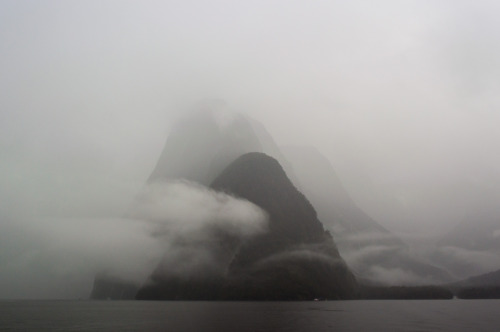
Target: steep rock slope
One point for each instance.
(295, 260)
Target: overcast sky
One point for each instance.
(401, 96)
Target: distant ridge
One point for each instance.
(372, 252)
(491, 279)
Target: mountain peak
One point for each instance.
(201, 144)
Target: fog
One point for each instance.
(400, 96)
(178, 222)
(191, 221)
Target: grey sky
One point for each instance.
(401, 96)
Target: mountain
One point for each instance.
(373, 252)
(295, 260)
(491, 279)
(203, 143)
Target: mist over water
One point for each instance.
(59, 257)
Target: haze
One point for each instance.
(400, 96)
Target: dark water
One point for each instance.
(437, 315)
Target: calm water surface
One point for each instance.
(436, 315)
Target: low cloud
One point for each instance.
(393, 265)
(365, 238)
(358, 259)
(466, 262)
(181, 206)
(59, 257)
(178, 223)
(199, 227)
(312, 252)
(397, 276)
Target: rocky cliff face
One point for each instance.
(295, 260)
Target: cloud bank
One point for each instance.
(59, 257)
(199, 227)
